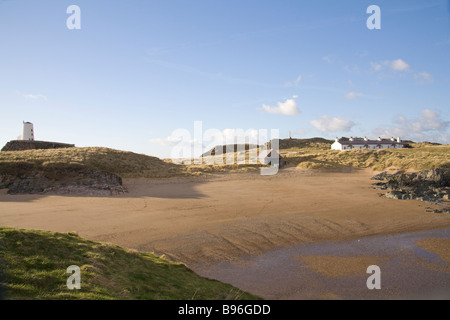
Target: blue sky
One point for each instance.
(138, 70)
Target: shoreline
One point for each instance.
(338, 269)
(223, 218)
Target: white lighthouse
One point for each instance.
(28, 132)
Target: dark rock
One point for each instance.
(429, 185)
(18, 145)
(380, 186)
(394, 195)
(381, 176)
(82, 182)
(385, 176)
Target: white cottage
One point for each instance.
(365, 143)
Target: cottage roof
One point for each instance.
(371, 142)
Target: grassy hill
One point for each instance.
(296, 144)
(221, 149)
(34, 266)
(57, 162)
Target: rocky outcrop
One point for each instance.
(18, 145)
(69, 180)
(430, 185)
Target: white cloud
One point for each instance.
(167, 142)
(353, 95)
(429, 126)
(328, 124)
(399, 65)
(31, 96)
(424, 77)
(395, 65)
(251, 136)
(289, 107)
(212, 137)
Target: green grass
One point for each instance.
(34, 266)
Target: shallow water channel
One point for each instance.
(407, 270)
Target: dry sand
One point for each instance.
(220, 218)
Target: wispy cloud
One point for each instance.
(294, 83)
(288, 107)
(31, 96)
(34, 96)
(336, 124)
(401, 67)
(353, 95)
(376, 66)
(212, 138)
(327, 59)
(167, 142)
(428, 126)
(444, 42)
(424, 77)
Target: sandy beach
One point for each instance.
(220, 219)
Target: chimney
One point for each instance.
(392, 139)
(379, 139)
(351, 139)
(337, 139)
(398, 139)
(365, 139)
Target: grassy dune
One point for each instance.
(123, 163)
(34, 265)
(420, 157)
(312, 153)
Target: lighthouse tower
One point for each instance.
(28, 132)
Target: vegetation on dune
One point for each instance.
(59, 162)
(230, 148)
(312, 153)
(421, 156)
(34, 265)
(312, 143)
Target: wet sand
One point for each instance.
(203, 221)
(338, 270)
